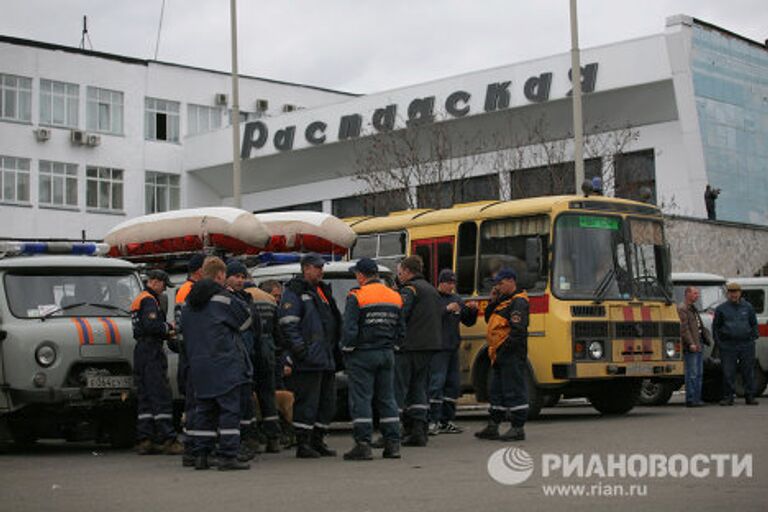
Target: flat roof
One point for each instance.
(145, 62)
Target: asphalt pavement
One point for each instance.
(655, 449)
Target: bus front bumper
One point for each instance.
(607, 369)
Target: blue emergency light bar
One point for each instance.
(34, 248)
(281, 258)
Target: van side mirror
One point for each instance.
(533, 255)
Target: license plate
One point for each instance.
(639, 369)
(109, 382)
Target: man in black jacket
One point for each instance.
(444, 381)
(422, 310)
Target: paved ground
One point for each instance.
(450, 474)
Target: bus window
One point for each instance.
(466, 257)
(424, 251)
(436, 253)
(444, 257)
(386, 248)
(365, 247)
(502, 244)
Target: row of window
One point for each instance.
(104, 109)
(58, 186)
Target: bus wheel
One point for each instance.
(551, 399)
(535, 397)
(617, 398)
(655, 392)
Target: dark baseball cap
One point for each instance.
(235, 267)
(160, 275)
(365, 266)
(504, 273)
(446, 276)
(313, 259)
(195, 263)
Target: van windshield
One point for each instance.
(712, 293)
(69, 295)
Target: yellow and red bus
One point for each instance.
(597, 271)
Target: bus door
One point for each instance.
(437, 254)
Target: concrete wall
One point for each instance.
(718, 247)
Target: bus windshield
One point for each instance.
(604, 257)
(68, 295)
(590, 252)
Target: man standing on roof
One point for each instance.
(311, 322)
(422, 310)
(194, 274)
(507, 338)
(154, 428)
(373, 324)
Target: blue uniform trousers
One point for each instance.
(509, 392)
(741, 357)
(371, 373)
(411, 382)
(444, 386)
(314, 403)
(246, 409)
(265, 377)
(218, 416)
(155, 408)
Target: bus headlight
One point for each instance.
(670, 349)
(595, 350)
(45, 355)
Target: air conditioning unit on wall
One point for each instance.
(262, 105)
(42, 134)
(288, 107)
(93, 140)
(77, 137)
(221, 99)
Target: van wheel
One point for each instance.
(656, 393)
(761, 380)
(122, 429)
(617, 397)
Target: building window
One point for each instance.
(380, 203)
(161, 192)
(448, 193)
(15, 98)
(59, 103)
(636, 175)
(551, 180)
(161, 120)
(104, 188)
(58, 184)
(307, 207)
(202, 119)
(14, 179)
(104, 111)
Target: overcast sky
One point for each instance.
(360, 46)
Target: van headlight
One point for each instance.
(595, 350)
(45, 355)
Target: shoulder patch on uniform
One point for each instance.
(515, 317)
(287, 305)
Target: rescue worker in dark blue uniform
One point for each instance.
(735, 331)
(237, 273)
(507, 338)
(194, 274)
(373, 325)
(422, 310)
(264, 373)
(213, 321)
(154, 428)
(310, 322)
(444, 380)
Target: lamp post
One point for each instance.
(578, 134)
(236, 172)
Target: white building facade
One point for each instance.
(665, 114)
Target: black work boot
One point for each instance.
(230, 464)
(244, 454)
(391, 450)
(201, 462)
(361, 451)
(418, 435)
(513, 434)
(318, 444)
(187, 460)
(303, 449)
(491, 431)
(273, 445)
